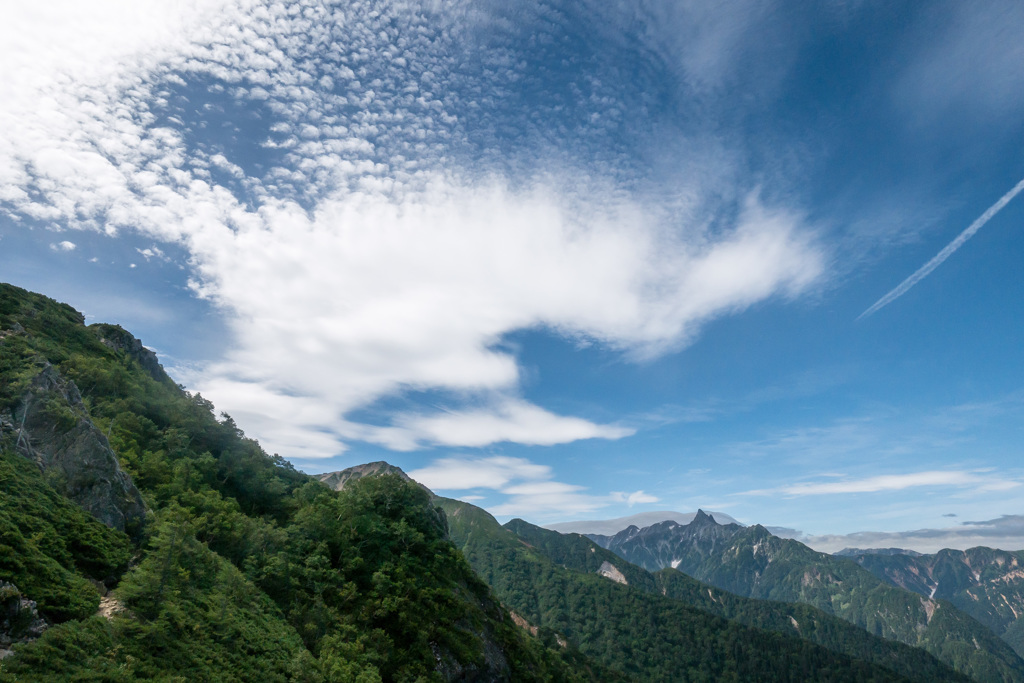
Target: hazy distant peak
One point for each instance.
(610, 527)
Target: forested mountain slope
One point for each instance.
(618, 614)
(751, 562)
(145, 538)
(576, 552)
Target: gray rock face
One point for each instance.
(53, 429)
(119, 339)
(19, 620)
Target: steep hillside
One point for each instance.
(751, 562)
(985, 583)
(615, 613)
(143, 537)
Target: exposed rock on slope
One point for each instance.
(50, 426)
(19, 620)
(117, 338)
(610, 571)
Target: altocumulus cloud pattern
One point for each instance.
(377, 193)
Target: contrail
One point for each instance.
(927, 268)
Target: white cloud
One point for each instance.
(527, 488)
(633, 498)
(361, 264)
(152, 252)
(416, 295)
(64, 246)
(454, 474)
(548, 500)
(979, 480)
(505, 420)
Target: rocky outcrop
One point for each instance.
(117, 338)
(19, 620)
(50, 426)
(610, 571)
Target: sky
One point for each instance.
(562, 259)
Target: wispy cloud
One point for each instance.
(457, 474)
(634, 498)
(64, 246)
(526, 488)
(508, 420)
(979, 480)
(871, 438)
(963, 60)
(946, 252)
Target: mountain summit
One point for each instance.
(338, 480)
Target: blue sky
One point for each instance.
(563, 259)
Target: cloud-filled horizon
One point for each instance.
(598, 256)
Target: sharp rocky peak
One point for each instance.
(703, 518)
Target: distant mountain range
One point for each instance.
(611, 527)
(751, 562)
(666, 626)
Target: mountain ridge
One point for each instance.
(751, 562)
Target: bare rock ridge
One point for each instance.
(50, 426)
